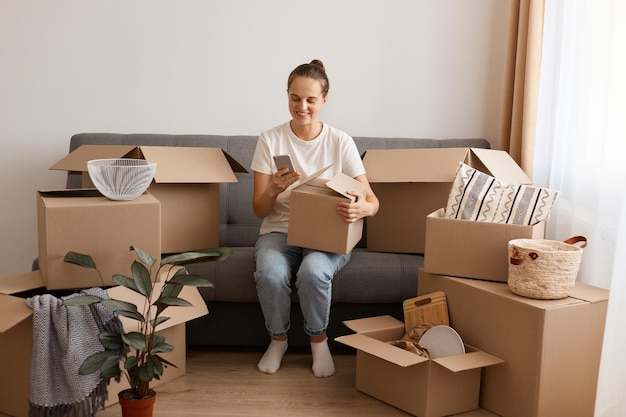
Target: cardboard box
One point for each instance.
(186, 183)
(551, 348)
(411, 183)
(85, 222)
(412, 383)
(16, 338)
(472, 249)
(313, 219)
(16, 330)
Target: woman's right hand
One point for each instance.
(282, 179)
(268, 187)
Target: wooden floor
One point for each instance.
(225, 382)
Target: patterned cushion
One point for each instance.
(481, 197)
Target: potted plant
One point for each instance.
(136, 354)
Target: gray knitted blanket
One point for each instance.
(63, 337)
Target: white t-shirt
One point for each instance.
(331, 147)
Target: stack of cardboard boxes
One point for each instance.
(549, 349)
(179, 212)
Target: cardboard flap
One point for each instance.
(499, 164)
(312, 176)
(382, 350)
(413, 165)
(373, 323)
(343, 183)
(13, 310)
(22, 282)
(177, 315)
(380, 328)
(236, 166)
(77, 160)
(178, 164)
(470, 360)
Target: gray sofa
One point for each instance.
(371, 284)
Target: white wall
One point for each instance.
(408, 68)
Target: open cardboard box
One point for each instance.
(472, 249)
(313, 219)
(412, 183)
(420, 386)
(16, 330)
(83, 221)
(551, 348)
(186, 183)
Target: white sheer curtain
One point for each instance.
(581, 151)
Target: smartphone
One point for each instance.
(283, 161)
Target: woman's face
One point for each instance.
(305, 100)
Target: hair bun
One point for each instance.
(318, 63)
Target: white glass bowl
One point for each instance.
(121, 178)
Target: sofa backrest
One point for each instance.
(238, 224)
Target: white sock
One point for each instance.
(270, 362)
(323, 365)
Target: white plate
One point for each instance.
(442, 341)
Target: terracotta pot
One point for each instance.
(136, 408)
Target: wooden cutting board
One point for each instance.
(428, 308)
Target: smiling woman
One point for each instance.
(312, 145)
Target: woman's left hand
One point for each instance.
(355, 210)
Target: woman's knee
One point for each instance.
(273, 276)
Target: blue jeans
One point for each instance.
(276, 264)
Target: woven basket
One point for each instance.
(544, 269)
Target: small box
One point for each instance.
(313, 219)
(420, 386)
(551, 348)
(472, 249)
(16, 338)
(85, 222)
(411, 183)
(186, 182)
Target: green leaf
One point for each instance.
(136, 340)
(166, 362)
(124, 308)
(82, 300)
(203, 255)
(191, 280)
(144, 256)
(94, 362)
(173, 301)
(124, 281)
(141, 276)
(159, 320)
(80, 259)
(111, 340)
(131, 362)
(171, 290)
(110, 368)
(135, 315)
(162, 347)
(133, 376)
(155, 363)
(146, 373)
